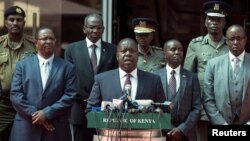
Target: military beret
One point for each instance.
(216, 8)
(144, 25)
(14, 10)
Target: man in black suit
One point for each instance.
(110, 85)
(80, 54)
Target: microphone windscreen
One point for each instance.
(145, 103)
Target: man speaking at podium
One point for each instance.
(138, 84)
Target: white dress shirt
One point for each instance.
(97, 49)
(134, 81)
(42, 61)
(232, 58)
(177, 75)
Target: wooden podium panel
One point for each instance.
(129, 135)
(103, 138)
(129, 127)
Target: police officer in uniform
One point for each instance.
(14, 46)
(150, 58)
(203, 48)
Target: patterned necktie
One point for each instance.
(236, 66)
(172, 83)
(127, 84)
(93, 58)
(45, 72)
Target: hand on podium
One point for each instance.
(174, 134)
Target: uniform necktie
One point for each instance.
(93, 58)
(127, 85)
(172, 83)
(236, 66)
(45, 72)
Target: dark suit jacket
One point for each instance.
(77, 53)
(189, 104)
(107, 87)
(27, 96)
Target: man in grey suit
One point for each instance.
(43, 90)
(182, 89)
(79, 53)
(110, 85)
(227, 79)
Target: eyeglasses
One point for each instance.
(94, 27)
(47, 38)
(237, 38)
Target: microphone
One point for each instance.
(165, 106)
(166, 103)
(110, 108)
(127, 89)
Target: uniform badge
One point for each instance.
(18, 10)
(216, 7)
(142, 23)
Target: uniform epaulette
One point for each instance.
(29, 38)
(198, 39)
(3, 37)
(155, 47)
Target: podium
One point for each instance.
(115, 126)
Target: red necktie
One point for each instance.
(172, 83)
(93, 58)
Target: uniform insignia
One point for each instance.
(2, 38)
(29, 38)
(155, 47)
(18, 10)
(142, 23)
(216, 7)
(198, 39)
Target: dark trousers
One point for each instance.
(82, 133)
(202, 130)
(7, 114)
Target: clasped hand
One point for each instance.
(39, 118)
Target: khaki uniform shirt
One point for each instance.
(152, 61)
(10, 56)
(200, 50)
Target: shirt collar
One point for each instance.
(241, 56)
(41, 59)
(89, 43)
(17, 46)
(207, 39)
(169, 69)
(122, 73)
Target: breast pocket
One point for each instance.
(3, 59)
(204, 57)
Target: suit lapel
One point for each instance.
(225, 70)
(54, 68)
(37, 72)
(245, 65)
(140, 85)
(104, 53)
(117, 82)
(183, 83)
(83, 56)
(163, 75)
